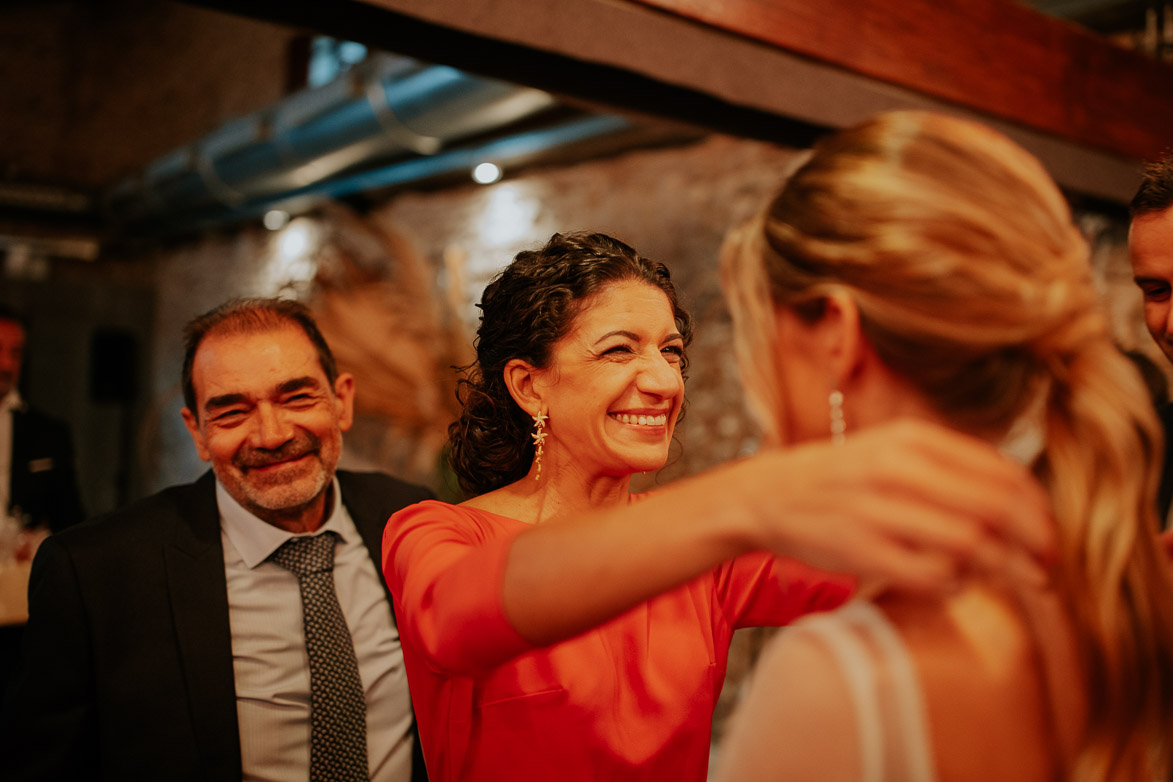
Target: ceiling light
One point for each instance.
(486, 173)
(275, 219)
(295, 241)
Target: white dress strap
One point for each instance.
(891, 724)
(908, 716)
(855, 664)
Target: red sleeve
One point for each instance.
(445, 568)
(762, 590)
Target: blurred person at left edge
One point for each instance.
(38, 486)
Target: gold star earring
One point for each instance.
(539, 435)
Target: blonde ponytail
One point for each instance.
(1101, 433)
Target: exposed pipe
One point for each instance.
(517, 147)
(389, 108)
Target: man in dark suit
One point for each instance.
(1150, 247)
(166, 641)
(41, 488)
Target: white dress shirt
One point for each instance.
(269, 656)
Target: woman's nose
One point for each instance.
(660, 376)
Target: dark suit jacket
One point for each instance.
(127, 671)
(43, 483)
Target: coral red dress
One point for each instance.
(632, 699)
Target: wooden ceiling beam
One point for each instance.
(745, 66)
(995, 56)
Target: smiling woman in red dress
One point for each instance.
(552, 627)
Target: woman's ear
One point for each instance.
(847, 349)
(521, 378)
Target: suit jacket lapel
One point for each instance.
(199, 599)
(367, 511)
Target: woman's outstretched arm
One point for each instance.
(909, 503)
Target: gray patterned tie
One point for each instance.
(338, 728)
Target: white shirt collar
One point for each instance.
(257, 539)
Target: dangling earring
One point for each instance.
(539, 435)
(838, 424)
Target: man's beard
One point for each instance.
(280, 492)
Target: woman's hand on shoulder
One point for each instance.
(908, 503)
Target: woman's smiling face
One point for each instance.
(613, 388)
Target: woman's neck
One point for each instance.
(561, 491)
(880, 395)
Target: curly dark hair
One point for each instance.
(525, 310)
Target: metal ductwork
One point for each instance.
(391, 115)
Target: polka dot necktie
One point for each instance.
(338, 727)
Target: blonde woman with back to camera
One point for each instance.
(919, 265)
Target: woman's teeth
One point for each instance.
(641, 420)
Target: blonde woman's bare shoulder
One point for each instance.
(994, 683)
(796, 720)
